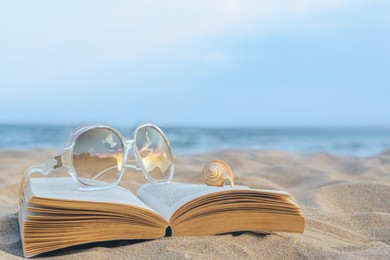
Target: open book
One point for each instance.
(54, 214)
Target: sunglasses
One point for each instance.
(96, 157)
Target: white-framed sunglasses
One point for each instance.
(96, 157)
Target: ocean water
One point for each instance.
(187, 140)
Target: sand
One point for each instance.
(345, 200)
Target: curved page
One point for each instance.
(167, 198)
(66, 189)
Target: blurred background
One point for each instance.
(300, 75)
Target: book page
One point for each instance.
(167, 198)
(66, 189)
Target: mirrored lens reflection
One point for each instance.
(98, 157)
(155, 154)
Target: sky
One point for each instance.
(196, 63)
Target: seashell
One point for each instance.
(216, 172)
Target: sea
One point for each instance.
(360, 142)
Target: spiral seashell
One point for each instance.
(216, 172)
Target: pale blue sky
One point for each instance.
(205, 63)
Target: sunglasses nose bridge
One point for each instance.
(128, 147)
(128, 150)
(129, 143)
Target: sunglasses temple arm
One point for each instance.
(132, 167)
(45, 169)
(97, 175)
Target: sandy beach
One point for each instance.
(345, 200)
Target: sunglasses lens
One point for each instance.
(155, 154)
(98, 157)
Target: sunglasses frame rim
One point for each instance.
(128, 145)
(67, 156)
(138, 158)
